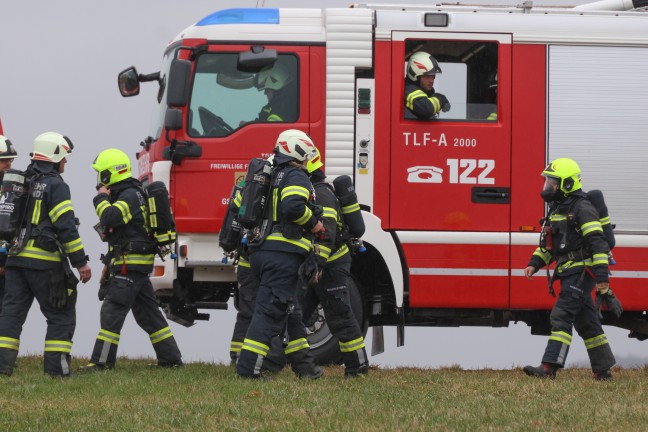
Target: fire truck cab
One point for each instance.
(451, 204)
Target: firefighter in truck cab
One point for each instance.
(573, 238)
(421, 100)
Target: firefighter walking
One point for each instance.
(576, 243)
(37, 263)
(285, 242)
(331, 290)
(125, 284)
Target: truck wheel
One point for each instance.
(324, 345)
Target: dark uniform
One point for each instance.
(3, 262)
(248, 288)
(420, 104)
(275, 261)
(282, 107)
(37, 271)
(331, 290)
(581, 254)
(130, 260)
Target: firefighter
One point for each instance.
(331, 289)
(125, 285)
(7, 155)
(248, 287)
(421, 101)
(279, 88)
(275, 259)
(37, 266)
(573, 238)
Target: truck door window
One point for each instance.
(224, 99)
(468, 80)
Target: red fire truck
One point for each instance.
(452, 205)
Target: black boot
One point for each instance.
(545, 370)
(303, 364)
(605, 375)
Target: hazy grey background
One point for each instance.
(58, 71)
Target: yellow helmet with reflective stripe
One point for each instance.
(567, 172)
(314, 162)
(112, 166)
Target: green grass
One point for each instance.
(202, 397)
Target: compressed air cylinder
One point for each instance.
(349, 205)
(597, 200)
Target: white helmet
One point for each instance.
(274, 77)
(51, 147)
(293, 144)
(422, 63)
(7, 150)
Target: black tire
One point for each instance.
(324, 345)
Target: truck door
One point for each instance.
(455, 168)
(450, 175)
(229, 115)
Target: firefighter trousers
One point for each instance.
(133, 291)
(332, 293)
(575, 309)
(22, 286)
(274, 314)
(248, 287)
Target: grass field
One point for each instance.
(202, 397)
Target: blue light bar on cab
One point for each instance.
(241, 16)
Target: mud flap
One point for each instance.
(377, 340)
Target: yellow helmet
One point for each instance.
(112, 166)
(314, 161)
(567, 172)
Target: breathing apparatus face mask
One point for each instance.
(551, 190)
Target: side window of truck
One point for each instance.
(465, 80)
(224, 98)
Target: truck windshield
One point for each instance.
(224, 98)
(157, 119)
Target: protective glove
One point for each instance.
(605, 297)
(103, 283)
(310, 271)
(444, 103)
(103, 289)
(57, 290)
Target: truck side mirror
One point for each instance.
(173, 119)
(178, 87)
(128, 82)
(256, 59)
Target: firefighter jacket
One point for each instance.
(289, 216)
(50, 221)
(123, 218)
(282, 107)
(329, 245)
(577, 241)
(418, 103)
